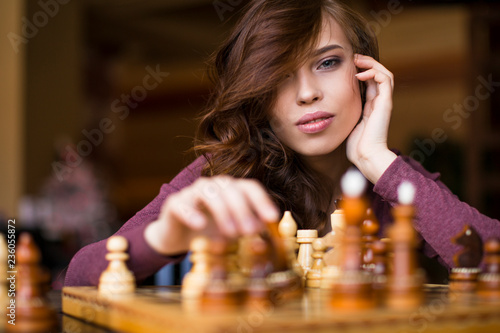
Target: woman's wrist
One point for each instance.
(374, 165)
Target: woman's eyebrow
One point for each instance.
(326, 49)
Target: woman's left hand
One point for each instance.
(367, 143)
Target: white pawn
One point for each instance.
(195, 281)
(305, 237)
(313, 277)
(117, 279)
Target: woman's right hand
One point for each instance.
(220, 205)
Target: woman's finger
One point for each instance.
(371, 87)
(184, 211)
(378, 76)
(366, 62)
(208, 194)
(378, 84)
(233, 206)
(260, 201)
(241, 211)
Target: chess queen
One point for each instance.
(299, 96)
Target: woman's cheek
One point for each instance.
(275, 123)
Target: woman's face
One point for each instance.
(318, 106)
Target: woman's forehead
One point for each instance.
(332, 33)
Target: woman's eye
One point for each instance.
(329, 63)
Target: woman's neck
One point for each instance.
(332, 165)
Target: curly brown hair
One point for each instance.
(271, 39)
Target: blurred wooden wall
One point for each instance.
(91, 53)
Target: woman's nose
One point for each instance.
(308, 89)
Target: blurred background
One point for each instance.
(99, 103)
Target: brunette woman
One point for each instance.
(299, 97)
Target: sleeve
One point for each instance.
(86, 266)
(440, 214)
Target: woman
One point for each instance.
(299, 97)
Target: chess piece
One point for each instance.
(313, 277)
(220, 293)
(197, 278)
(463, 277)
(32, 310)
(488, 287)
(352, 290)
(284, 280)
(332, 257)
(379, 269)
(471, 253)
(492, 256)
(333, 239)
(305, 238)
(235, 273)
(117, 279)
(329, 276)
(258, 290)
(405, 280)
(369, 230)
(287, 228)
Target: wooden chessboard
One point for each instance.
(160, 309)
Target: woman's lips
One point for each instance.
(314, 122)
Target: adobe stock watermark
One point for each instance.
(455, 116)
(427, 314)
(73, 156)
(224, 6)
(255, 318)
(30, 28)
(258, 312)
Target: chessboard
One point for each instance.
(162, 309)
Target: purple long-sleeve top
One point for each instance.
(440, 216)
